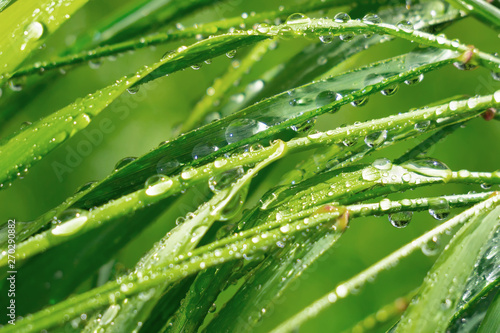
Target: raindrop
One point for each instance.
(431, 247)
(485, 186)
(34, 31)
(370, 174)
(360, 102)
(400, 219)
(212, 308)
(196, 66)
(494, 75)
(391, 90)
(85, 187)
(17, 84)
(305, 126)
(327, 39)
(439, 208)
(222, 181)
(326, 97)
(298, 18)
(188, 173)
(133, 90)
(70, 221)
(166, 165)
(95, 64)
(301, 101)
(157, 184)
(240, 129)
(376, 139)
(429, 167)
(110, 314)
(422, 125)
(341, 17)
(405, 26)
(414, 80)
(231, 54)
(203, 149)
(124, 161)
(322, 61)
(372, 18)
(382, 164)
(346, 37)
(25, 125)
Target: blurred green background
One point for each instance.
(143, 120)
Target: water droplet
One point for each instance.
(422, 125)
(414, 80)
(322, 61)
(341, 17)
(370, 174)
(240, 129)
(231, 54)
(298, 18)
(346, 37)
(485, 186)
(372, 18)
(327, 39)
(157, 184)
(203, 149)
(224, 180)
(305, 126)
(385, 204)
(133, 90)
(391, 90)
(360, 102)
(17, 84)
(188, 173)
(110, 314)
(494, 75)
(85, 187)
(400, 219)
(465, 66)
(166, 165)
(34, 31)
(405, 26)
(431, 247)
(376, 139)
(124, 161)
(439, 208)
(301, 101)
(212, 308)
(326, 97)
(95, 64)
(382, 164)
(196, 66)
(71, 221)
(429, 167)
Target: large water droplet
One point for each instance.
(429, 167)
(431, 247)
(157, 184)
(203, 149)
(166, 165)
(124, 161)
(70, 221)
(346, 37)
(391, 90)
(414, 80)
(422, 125)
(382, 164)
(376, 139)
(240, 129)
(400, 219)
(360, 102)
(34, 31)
(110, 314)
(326, 97)
(327, 39)
(301, 101)
(439, 208)
(224, 180)
(341, 17)
(372, 18)
(405, 26)
(370, 174)
(298, 18)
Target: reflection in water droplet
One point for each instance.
(405, 26)
(341, 17)
(360, 102)
(370, 174)
(400, 219)
(34, 31)
(326, 39)
(372, 18)
(429, 167)
(240, 129)
(124, 161)
(376, 139)
(431, 247)
(414, 80)
(222, 181)
(382, 164)
(298, 18)
(157, 184)
(346, 37)
(391, 90)
(422, 125)
(439, 208)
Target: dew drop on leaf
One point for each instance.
(203, 149)
(431, 247)
(414, 80)
(439, 208)
(326, 39)
(382, 164)
(370, 174)
(298, 18)
(429, 167)
(124, 161)
(34, 31)
(422, 125)
(360, 102)
(372, 18)
(376, 139)
(157, 184)
(240, 129)
(222, 181)
(405, 26)
(391, 90)
(341, 17)
(71, 221)
(346, 37)
(326, 97)
(400, 219)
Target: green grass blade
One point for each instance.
(492, 320)
(25, 26)
(439, 295)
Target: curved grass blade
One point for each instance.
(264, 120)
(356, 282)
(25, 25)
(440, 294)
(492, 320)
(484, 11)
